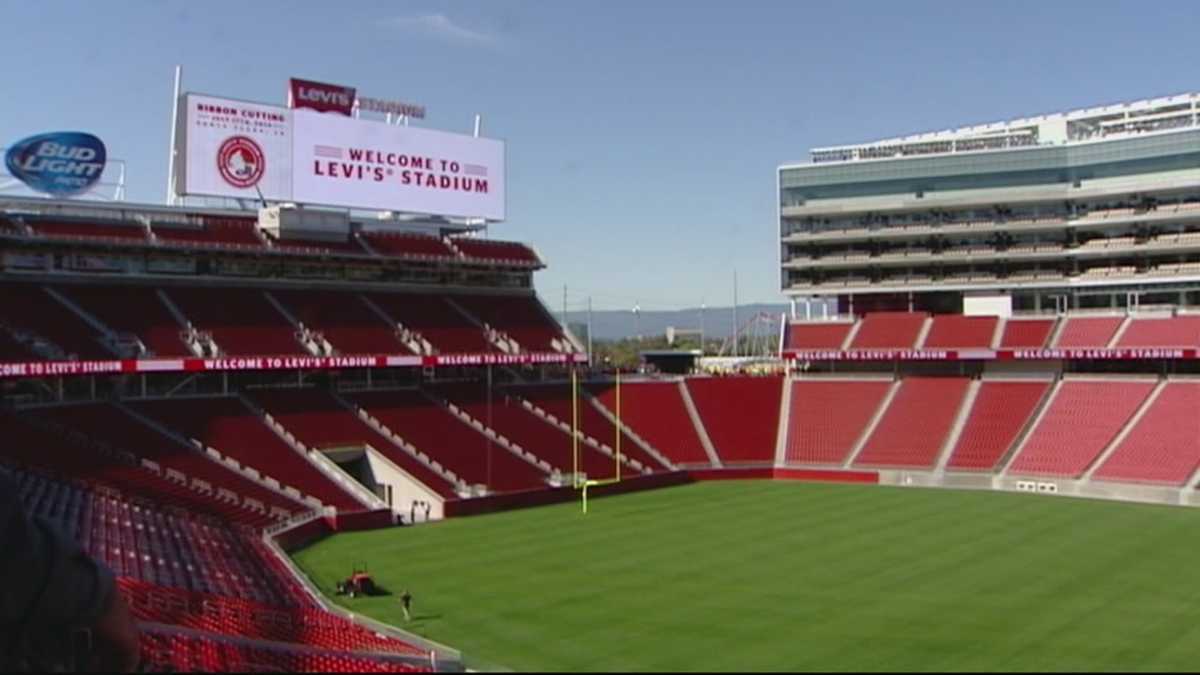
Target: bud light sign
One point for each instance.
(61, 164)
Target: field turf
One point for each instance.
(791, 576)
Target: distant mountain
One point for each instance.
(613, 324)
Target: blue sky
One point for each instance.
(642, 136)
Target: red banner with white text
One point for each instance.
(31, 369)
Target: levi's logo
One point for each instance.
(315, 95)
(321, 97)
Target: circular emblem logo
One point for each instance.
(241, 162)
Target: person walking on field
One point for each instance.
(406, 604)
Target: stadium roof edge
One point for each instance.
(1138, 110)
(19, 203)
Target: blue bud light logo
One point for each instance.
(62, 163)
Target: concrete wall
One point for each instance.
(405, 488)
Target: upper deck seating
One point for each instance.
(822, 335)
(951, 331)
(889, 330)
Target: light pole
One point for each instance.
(702, 308)
(637, 321)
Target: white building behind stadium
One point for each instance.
(1093, 208)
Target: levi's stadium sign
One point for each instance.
(1039, 354)
(60, 164)
(243, 150)
(34, 369)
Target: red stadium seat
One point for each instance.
(889, 330)
(821, 335)
(1162, 447)
(1026, 333)
(740, 414)
(1084, 416)
(828, 417)
(1000, 411)
(435, 431)
(915, 425)
(656, 411)
(228, 426)
(950, 331)
(1094, 331)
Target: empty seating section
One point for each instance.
(241, 320)
(953, 331)
(207, 595)
(1000, 411)
(79, 459)
(1164, 446)
(512, 420)
(167, 651)
(915, 425)
(142, 541)
(408, 245)
(1094, 331)
(555, 399)
(1083, 418)
(344, 319)
(740, 415)
(32, 313)
(439, 323)
(434, 430)
(225, 615)
(79, 230)
(107, 424)
(889, 330)
(1178, 331)
(1026, 334)
(521, 317)
(319, 421)
(229, 427)
(226, 232)
(828, 417)
(134, 310)
(656, 412)
(504, 251)
(817, 335)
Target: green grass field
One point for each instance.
(793, 576)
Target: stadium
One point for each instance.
(279, 415)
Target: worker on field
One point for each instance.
(406, 604)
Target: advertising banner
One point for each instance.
(1052, 354)
(236, 149)
(21, 369)
(60, 164)
(370, 165)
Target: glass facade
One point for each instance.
(1011, 168)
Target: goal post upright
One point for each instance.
(583, 486)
